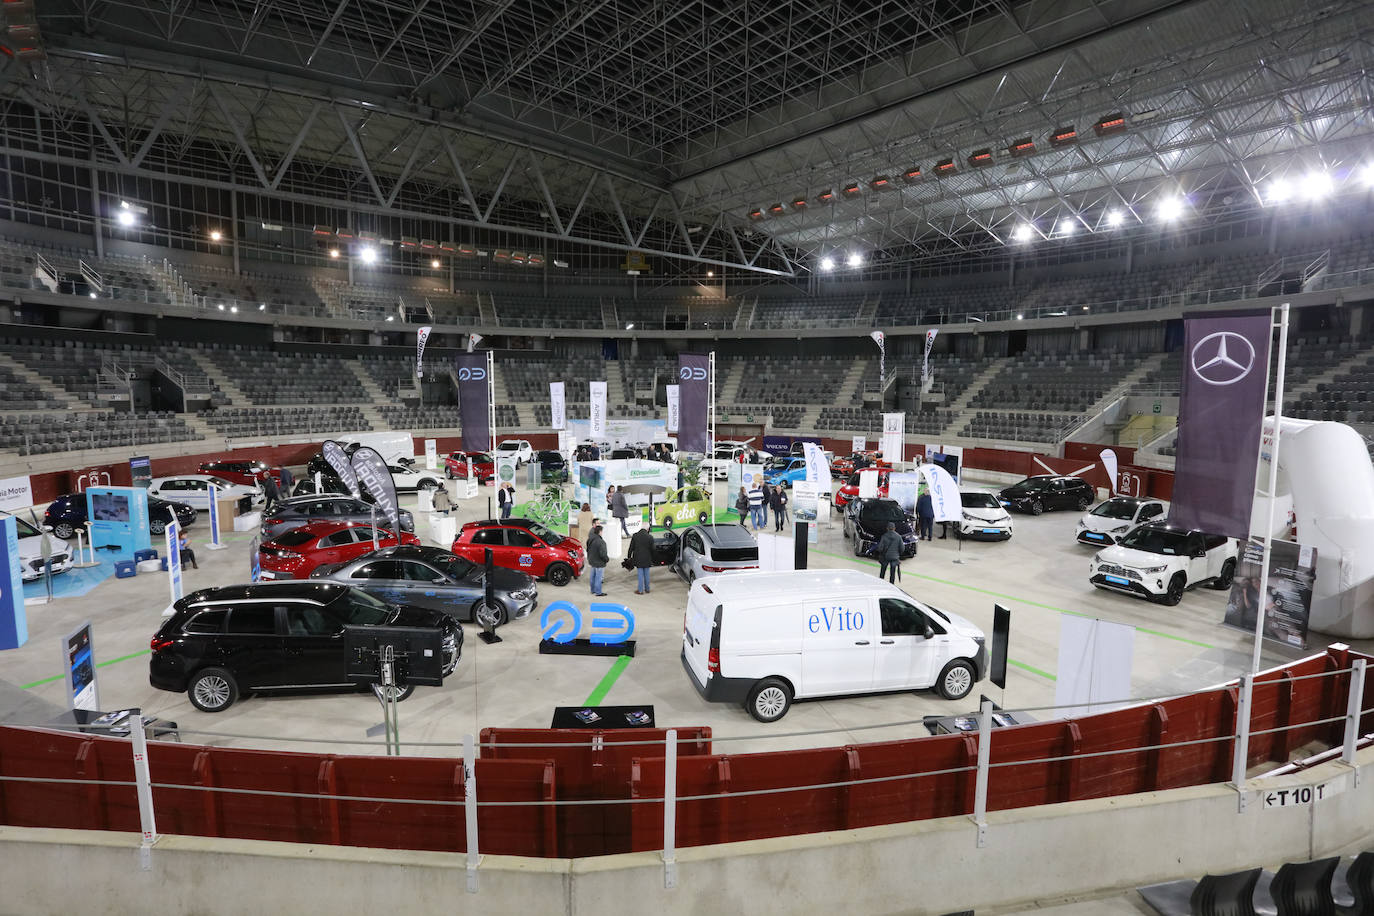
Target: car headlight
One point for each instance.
(1120, 528)
(1155, 569)
(969, 518)
(1097, 558)
(522, 594)
(1081, 526)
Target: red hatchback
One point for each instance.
(248, 473)
(483, 468)
(522, 544)
(296, 553)
(851, 488)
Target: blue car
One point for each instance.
(786, 473)
(67, 514)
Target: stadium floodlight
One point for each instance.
(630, 326)
(333, 252)
(1023, 232)
(216, 235)
(1170, 208)
(126, 217)
(827, 263)
(1316, 185)
(1115, 217)
(855, 260)
(390, 317)
(221, 306)
(369, 255)
(262, 306)
(434, 262)
(234, 309)
(1279, 190)
(1019, 316)
(1067, 226)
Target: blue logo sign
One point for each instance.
(471, 374)
(616, 621)
(692, 373)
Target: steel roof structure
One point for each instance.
(662, 126)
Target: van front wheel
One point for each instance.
(769, 700)
(956, 680)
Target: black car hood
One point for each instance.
(507, 580)
(871, 533)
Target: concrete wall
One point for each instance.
(1032, 854)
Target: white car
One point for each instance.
(410, 479)
(1159, 561)
(520, 448)
(983, 517)
(718, 465)
(194, 490)
(31, 552)
(1115, 517)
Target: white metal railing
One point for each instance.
(92, 276)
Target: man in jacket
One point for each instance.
(642, 556)
(779, 506)
(889, 551)
(597, 558)
(505, 498)
(742, 506)
(925, 514)
(620, 510)
(269, 489)
(441, 500)
(756, 506)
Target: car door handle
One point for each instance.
(888, 642)
(860, 642)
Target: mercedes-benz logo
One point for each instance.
(1222, 358)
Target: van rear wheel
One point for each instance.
(769, 700)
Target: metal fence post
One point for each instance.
(670, 810)
(144, 783)
(470, 809)
(1239, 761)
(1352, 715)
(980, 791)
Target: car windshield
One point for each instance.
(979, 501)
(480, 458)
(1116, 508)
(508, 447)
(550, 456)
(360, 609)
(881, 511)
(1034, 483)
(25, 529)
(220, 482)
(456, 567)
(724, 454)
(549, 537)
(1157, 540)
(294, 538)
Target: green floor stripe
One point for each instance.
(113, 661)
(1026, 601)
(608, 681)
(1032, 669)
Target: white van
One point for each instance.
(764, 639)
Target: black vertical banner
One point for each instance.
(473, 392)
(694, 395)
(1001, 641)
(375, 477)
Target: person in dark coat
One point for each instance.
(505, 498)
(742, 505)
(620, 510)
(269, 489)
(287, 480)
(642, 556)
(889, 551)
(925, 514)
(597, 558)
(778, 503)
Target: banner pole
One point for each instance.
(1273, 485)
(491, 401)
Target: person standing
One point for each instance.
(620, 510)
(756, 505)
(889, 551)
(597, 558)
(742, 506)
(441, 500)
(505, 498)
(779, 504)
(925, 514)
(583, 528)
(642, 556)
(287, 481)
(269, 489)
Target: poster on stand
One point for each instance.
(14, 625)
(1095, 659)
(894, 432)
(431, 455)
(776, 553)
(805, 504)
(868, 483)
(1292, 574)
(254, 561)
(598, 410)
(505, 469)
(141, 471)
(694, 396)
(78, 661)
(173, 548)
(858, 443)
(902, 486)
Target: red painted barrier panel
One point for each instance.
(949, 763)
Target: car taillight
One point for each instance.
(157, 644)
(713, 661)
(706, 568)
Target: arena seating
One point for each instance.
(1054, 382)
(18, 394)
(238, 422)
(1021, 425)
(62, 431)
(524, 311)
(859, 420)
(270, 377)
(528, 379)
(436, 416)
(793, 379)
(807, 313)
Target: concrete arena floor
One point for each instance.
(1039, 574)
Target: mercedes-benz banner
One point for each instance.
(474, 391)
(337, 459)
(694, 394)
(1225, 377)
(372, 471)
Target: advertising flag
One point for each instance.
(372, 471)
(173, 547)
(894, 430)
(817, 469)
(421, 337)
(1225, 379)
(925, 361)
(1108, 458)
(944, 493)
(694, 395)
(674, 408)
(557, 406)
(473, 341)
(474, 398)
(335, 456)
(598, 410)
(881, 340)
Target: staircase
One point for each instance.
(615, 386)
(1123, 387)
(962, 413)
(486, 310)
(850, 391)
(743, 312)
(727, 392)
(177, 290)
(609, 318)
(328, 291)
(50, 388)
(375, 396)
(810, 418)
(220, 380)
(868, 312)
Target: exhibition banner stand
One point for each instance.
(14, 625)
(214, 519)
(173, 547)
(78, 664)
(488, 634)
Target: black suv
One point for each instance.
(223, 642)
(553, 467)
(1047, 491)
(865, 520)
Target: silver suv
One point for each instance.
(705, 550)
(290, 514)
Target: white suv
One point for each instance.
(1160, 561)
(718, 465)
(520, 448)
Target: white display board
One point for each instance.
(858, 443)
(15, 493)
(805, 504)
(868, 483)
(776, 553)
(442, 530)
(431, 455)
(894, 432)
(1095, 659)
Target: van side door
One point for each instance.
(839, 643)
(905, 656)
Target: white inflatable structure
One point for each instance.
(1326, 490)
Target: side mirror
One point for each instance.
(929, 632)
(1198, 554)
